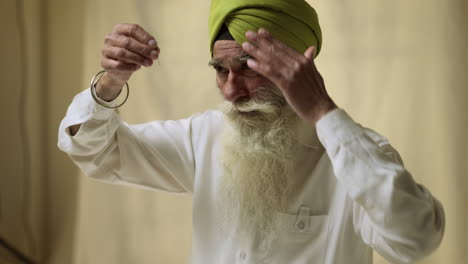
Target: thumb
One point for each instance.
(310, 53)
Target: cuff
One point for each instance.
(82, 109)
(84, 106)
(336, 127)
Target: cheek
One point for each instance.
(255, 83)
(220, 82)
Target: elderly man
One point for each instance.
(281, 174)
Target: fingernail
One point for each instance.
(251, 63)
(250, 34)
(147, 62)
(263, 32)
(152, 43)
(154, 54)
(247, 45)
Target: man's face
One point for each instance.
(235, 80)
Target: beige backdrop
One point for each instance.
(399, 67)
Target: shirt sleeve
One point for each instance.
(393, 214)
(156, 155)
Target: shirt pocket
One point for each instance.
(302, 238)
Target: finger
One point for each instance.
(265, 38)
(251, 36)
(256, 52)
(310, 53)
(265, 43)
(273, 67)
(266, 70)
(267, 54)
(132, 45)
(136, 32)
(118, 66)
(121, 54)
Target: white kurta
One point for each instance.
(355, 195)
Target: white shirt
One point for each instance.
(356, 196)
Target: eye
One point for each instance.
(220, 70)
(247, 71)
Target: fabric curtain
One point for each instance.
(398, 67)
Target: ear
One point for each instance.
(310, 53)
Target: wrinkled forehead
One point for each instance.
(228, 51)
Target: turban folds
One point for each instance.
(294, 22)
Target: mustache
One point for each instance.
(267, 99)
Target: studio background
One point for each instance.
(399, 67)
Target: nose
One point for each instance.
(234, 89)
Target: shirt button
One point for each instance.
(300, 225)
(243, 255)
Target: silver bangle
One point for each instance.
(94, 94)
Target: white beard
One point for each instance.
(258, 155)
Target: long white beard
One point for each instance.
(258, 153)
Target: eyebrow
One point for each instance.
(215, 62)
(240, 58)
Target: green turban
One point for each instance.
(294, 22)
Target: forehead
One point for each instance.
(225, 49)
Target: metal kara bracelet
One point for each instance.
(92, 88)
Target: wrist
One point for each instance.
(322, 111)
(108, 88)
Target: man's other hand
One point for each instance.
(125, 50)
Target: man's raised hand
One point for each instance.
(125, 50)
(295, 74)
